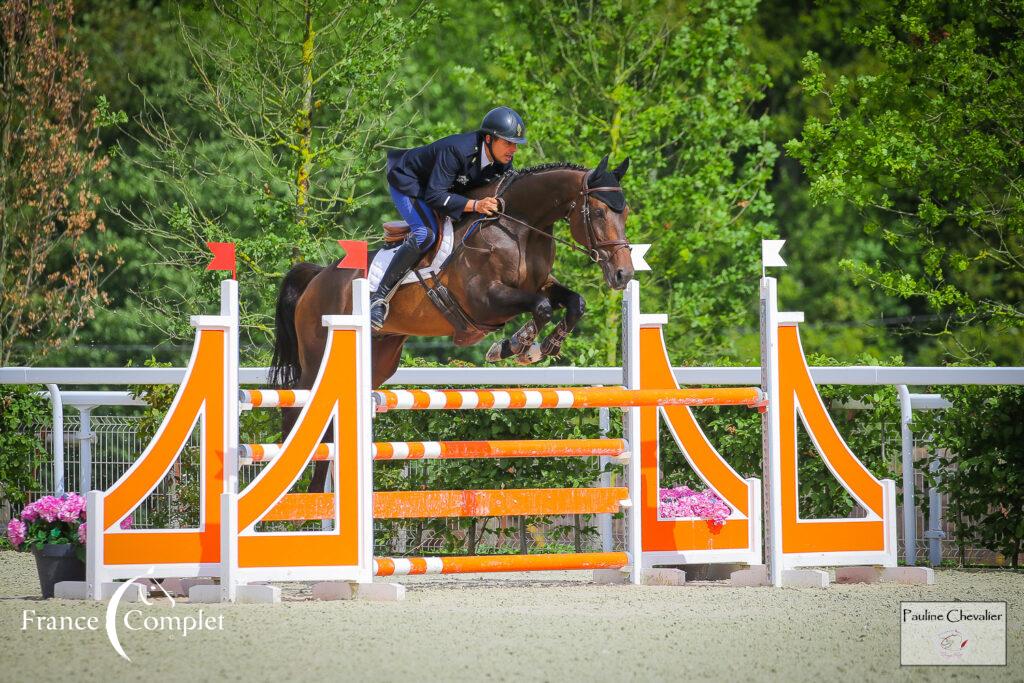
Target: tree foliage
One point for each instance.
(928, 150)
(980, 465)
(295, 100)
(50, 266)
(670, 86)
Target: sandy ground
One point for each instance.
(543, 627)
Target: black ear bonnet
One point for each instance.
(602, 177)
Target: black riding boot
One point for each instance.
(407, 254)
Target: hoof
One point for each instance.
(530, 355)
(550, 348)
(494, 354)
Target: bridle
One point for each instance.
(595, 247)
(597, 250)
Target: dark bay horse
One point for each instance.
(503, 270)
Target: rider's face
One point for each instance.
(503, 150)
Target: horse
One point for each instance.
(501, 269)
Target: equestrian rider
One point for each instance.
(431, 178)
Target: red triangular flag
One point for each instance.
(355, 255)
(223, 257)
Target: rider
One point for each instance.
(430, 178)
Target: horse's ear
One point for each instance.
(601, 167)
(621, 170)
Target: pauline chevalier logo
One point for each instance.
(953, 633)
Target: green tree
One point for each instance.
(928, 151)
(294, 101)
(844, 319)
(670, 86)
(50, 163)
(977, 442)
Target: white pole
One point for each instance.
(58, 439)
(771, 430)
(94, 576)
(935, 532)
(907, 458)
(229, 308)
(364, 420)
(85, 449)
(229, 580)
(631, 425)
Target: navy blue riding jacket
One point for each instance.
(437, 173)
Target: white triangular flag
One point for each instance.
(637, 252)
(770, 254)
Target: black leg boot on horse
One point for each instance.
(407, 254)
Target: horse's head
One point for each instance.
(599, 222)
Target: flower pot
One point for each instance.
(56, 563)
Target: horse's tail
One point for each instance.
(285, 368)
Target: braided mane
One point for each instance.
(508, 178)
(550, 166)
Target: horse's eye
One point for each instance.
(599, 213)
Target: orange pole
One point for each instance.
(497, 503)
(471, 503)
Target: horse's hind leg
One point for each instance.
(522, 345)
(385, 355)
(574, 305)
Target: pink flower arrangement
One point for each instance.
(49, 520)
(16, 530)
(683, 502)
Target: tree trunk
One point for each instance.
(304, 122)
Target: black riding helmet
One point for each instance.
(506, 124)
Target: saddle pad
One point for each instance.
(383, 258)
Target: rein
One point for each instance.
(596, 247)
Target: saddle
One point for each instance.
(395, 233)
(467, 330)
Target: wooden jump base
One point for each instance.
(477, 564)
(448, 450)
(568, 397)
(231, 543)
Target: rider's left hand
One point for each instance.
(487, 205)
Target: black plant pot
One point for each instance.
(56, 563)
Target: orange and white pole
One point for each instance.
(474, 564)
(567, 397)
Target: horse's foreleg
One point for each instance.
(574, 305)
(522, 344)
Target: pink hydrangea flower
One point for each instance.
(72, 508)
(29, 513)
(47, 508)
(126, 523)
(82, 533)
(683, 502)
(16, 530)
